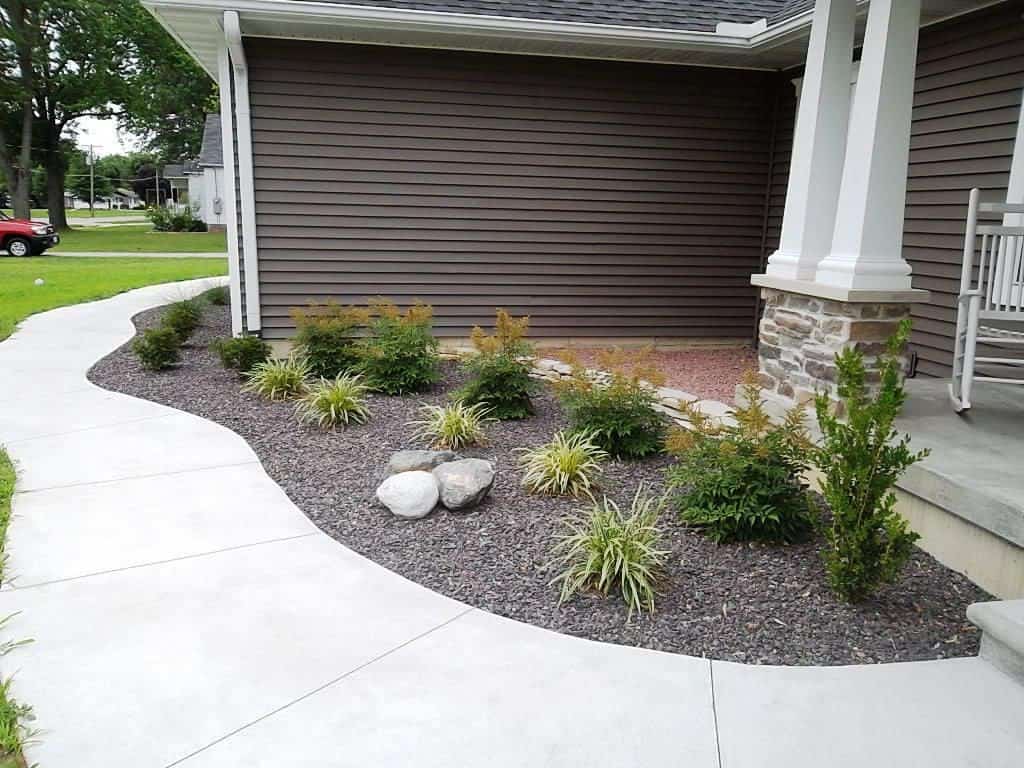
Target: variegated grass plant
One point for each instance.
(278, 379)
(331, 403)
(453, 426)
(568, 465)
(606, 548)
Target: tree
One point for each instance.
(19, 25)
(169, 94)
(67, 59)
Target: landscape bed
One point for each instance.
(749, 603)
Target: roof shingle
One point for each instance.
(693, 15)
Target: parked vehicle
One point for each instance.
(23, 237)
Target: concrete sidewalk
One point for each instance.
(136, 254)
(186, 613)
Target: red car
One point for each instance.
(21, 237)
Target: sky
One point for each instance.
(104, 136)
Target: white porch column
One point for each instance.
(868, 239)
(818, 144)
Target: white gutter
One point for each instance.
(227, 133)
(243, 134)
(464, 23)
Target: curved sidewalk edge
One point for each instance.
(185, 612)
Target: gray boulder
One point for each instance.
(412, 461)
(411, 495)
(464, 483)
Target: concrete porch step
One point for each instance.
(1002, 641)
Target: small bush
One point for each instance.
(499, 376)
(158, 348)
(242, 353)
(219, 296)
(452, 426)
(183, 317)
(604, 548)
(860, 460)
(400, 353)
(743, 482)
(619, 414)
(278, 379)
(326, 337)
(339, 401)
(568, 465)
(168, 220)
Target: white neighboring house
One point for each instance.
(206, 177)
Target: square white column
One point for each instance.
(867, 243)
(819, 144)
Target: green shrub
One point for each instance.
(219, 296)
(278, 379)
(499, 375)
(242, 353)
(400, 354)
(158, 348)
(168, 220)
(568, 465)
(743, 482)
(452, 426)
(619, 415)
(330, 403)
(326, 337)
(604, 548)
(183, 317)
(860, 460)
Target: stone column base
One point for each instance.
(800, 336)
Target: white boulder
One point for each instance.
(411, 495)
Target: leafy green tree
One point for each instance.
(62, 60)
(19, 29)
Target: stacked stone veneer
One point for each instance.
(800, 336)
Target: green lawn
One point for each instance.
(72, 280)
(81, 213)
(13, 732)
(140, 238)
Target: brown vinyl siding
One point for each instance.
(602, 199)
(970, 74)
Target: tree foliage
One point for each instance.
(61, 60)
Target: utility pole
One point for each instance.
(156, 172)
(92, 183)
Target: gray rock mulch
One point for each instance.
(748, 603)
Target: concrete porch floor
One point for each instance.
(975, 473)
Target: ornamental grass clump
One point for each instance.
(183, 317)
(499, 375)
(399, 353)
(617, 413)
(158, 349)
(327, 335)
(605, 548)
(278, 379)
(242, 353)
(453, 426)
(336, 402)
(567, 466)
(742, 482)
(860, 460)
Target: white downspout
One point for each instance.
(230, 216)
(243, 130)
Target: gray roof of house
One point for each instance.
(212, 151)
(173, 171)
(694, 15)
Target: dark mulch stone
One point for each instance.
(750, 603)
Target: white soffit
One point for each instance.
(196, 24)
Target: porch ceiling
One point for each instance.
(196, 24)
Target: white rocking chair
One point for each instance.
(991, 292)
